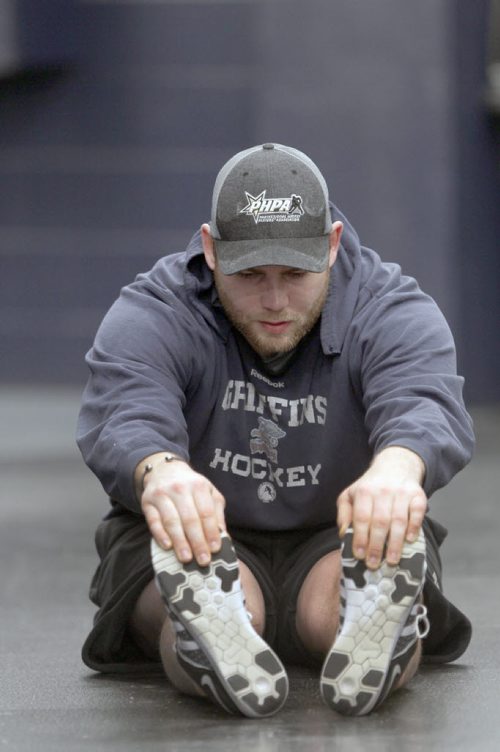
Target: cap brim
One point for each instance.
(310, 254)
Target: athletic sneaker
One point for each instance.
(215, 642)
(381, 619)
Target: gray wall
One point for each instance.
(111, 138)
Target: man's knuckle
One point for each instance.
(190, 520)
(156, 527)
(177, 487)
(199, 484)
(381, 521)
(363, 490)
(155, 492)
(362, 518)
(168, 521)
(421, 500)
(205, 511)
(418, 508)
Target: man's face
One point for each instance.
(273, 307)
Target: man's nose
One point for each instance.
(275, 297)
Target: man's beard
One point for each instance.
(265, 346)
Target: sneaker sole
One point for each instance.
(377, 605)
(245, 673)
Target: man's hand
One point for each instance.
(183, 509)
(386, 505)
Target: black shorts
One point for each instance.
(280, 562)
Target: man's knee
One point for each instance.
(318, 604)
(254, 600)
(147, 619)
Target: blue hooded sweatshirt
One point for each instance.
(168, 372)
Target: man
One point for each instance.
(270, 411)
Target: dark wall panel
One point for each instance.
(103, 200)
(107, 157)
(373, 100)
(76, 109)
(36, 34)
(182, 33)
(477, 217)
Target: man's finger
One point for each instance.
(397, 536)
(156, 528)
(220, 506)
(206, 507)
(362, 510)
(164, 516)
(379, 529)
(344, 512)
(418, 507)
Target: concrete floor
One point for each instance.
(50, 505)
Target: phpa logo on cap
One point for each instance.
(264, 209)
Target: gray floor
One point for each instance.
(50, 505)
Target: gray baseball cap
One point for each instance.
(270, 206)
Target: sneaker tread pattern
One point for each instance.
(244, 674)
(358, 672)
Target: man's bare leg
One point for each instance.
(318, 602)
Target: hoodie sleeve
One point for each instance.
(134, 399)
(410, 389)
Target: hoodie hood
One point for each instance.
(345, 281)
(342, 294)
(188, 274)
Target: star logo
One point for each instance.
(254, 205)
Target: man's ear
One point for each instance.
(208, 246)
(335, 235)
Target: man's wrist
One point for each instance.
(405, 460)
(148, 465)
